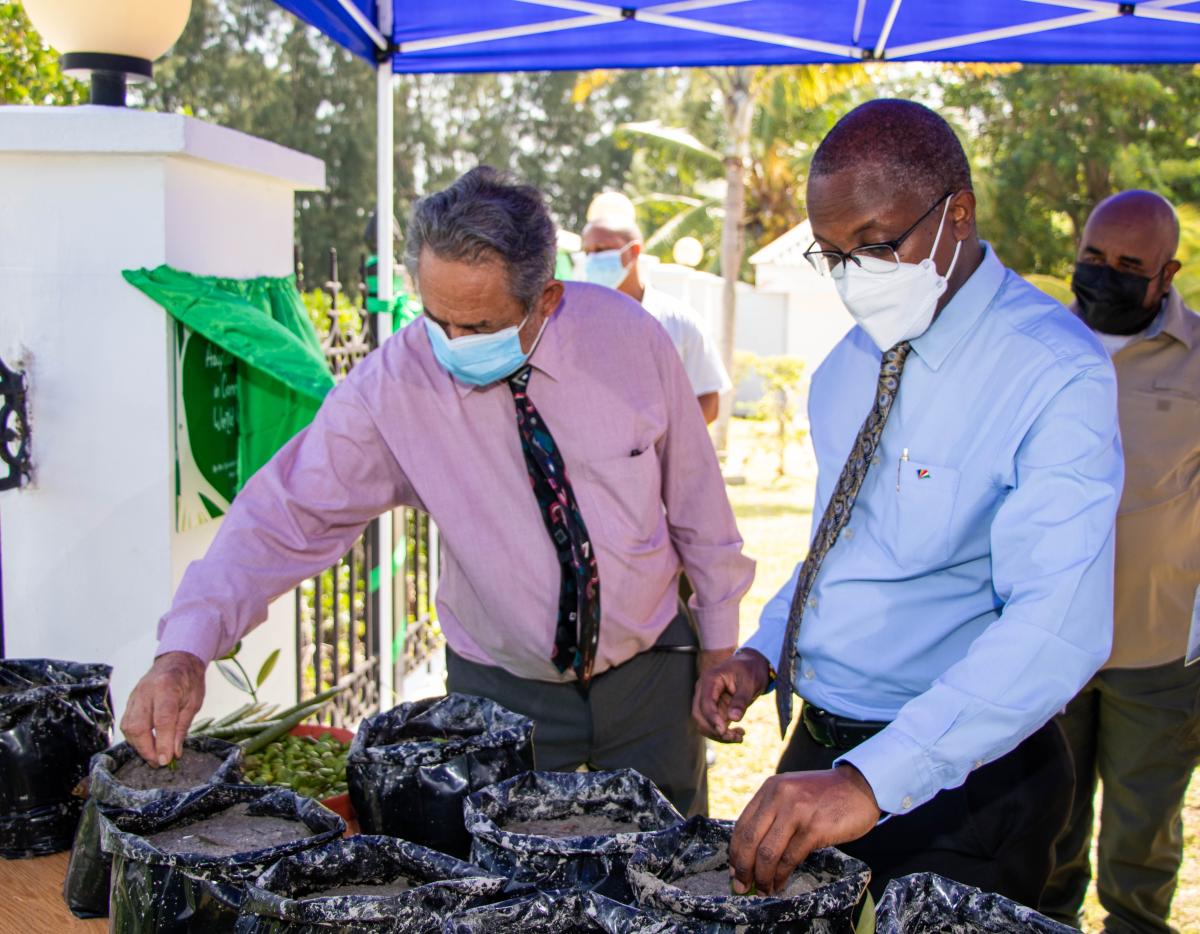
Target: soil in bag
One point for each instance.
(181, 864)
(365, 884)
(926, 903)
(54, 716)
(191, 770)
(119, 778)
(688, 876)
(568, 829)
(565, 912)
(410, 768)
(232, 831)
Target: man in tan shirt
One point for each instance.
(1136, 726)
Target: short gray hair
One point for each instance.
(484, 216)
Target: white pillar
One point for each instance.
(384, 246)
(91, 557)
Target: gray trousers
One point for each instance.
(637, 716)
(1137, 731)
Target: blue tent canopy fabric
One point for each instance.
(527, 35)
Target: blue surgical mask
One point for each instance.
(606, 267)
(480, 359)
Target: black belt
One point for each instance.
(834, 732)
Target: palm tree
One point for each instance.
(773, 118)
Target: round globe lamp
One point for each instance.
(114, 41)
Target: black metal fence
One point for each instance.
(338, 611)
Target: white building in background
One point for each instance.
(790, 310)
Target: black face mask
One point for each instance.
(1110, 301)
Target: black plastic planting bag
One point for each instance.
(183, 893)
(926, 903)
(579, 861)
(281, 900)
(410, 768)
(563, 912)
(703, 844)
(54, 716)
(85, 889)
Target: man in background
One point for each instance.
(1136, 725)
(612, 244)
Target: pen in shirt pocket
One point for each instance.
(900, 466)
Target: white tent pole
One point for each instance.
(364, 24)
(598, 14)
(1097, 10)
(509, 32)
(881, 45)
(384, 246)
(1153, 9)
(991, 35)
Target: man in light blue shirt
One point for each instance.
(969, 595)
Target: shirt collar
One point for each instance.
(1177, 320)
(547, 356)
(962, 311)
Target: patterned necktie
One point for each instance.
(837, 514)
(578, 630)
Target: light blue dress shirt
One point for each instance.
(971, 594)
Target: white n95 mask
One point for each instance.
(899, 304)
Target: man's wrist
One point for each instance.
(859, 781)
(182, 657)
(764, 671)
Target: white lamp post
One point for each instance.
(112, 40)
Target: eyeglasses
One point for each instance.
(879, 258)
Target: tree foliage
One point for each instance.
(248, 65)
(1049, 142)
(680, 156)
(29, 72)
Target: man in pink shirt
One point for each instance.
(551, 433)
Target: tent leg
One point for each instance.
(385, 251)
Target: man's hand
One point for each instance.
(161, 707)
(792, 815)
(725, 690)
(710, 658)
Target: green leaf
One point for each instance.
(234, 677)
(267, 667)
(232, 653)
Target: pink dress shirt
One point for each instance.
(400, 431)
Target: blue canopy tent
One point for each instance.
(520, 35)
(403, 36)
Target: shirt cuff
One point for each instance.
(718, 625)
(896, 769)
(198, 637)
(766, 644)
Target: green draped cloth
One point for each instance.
(282, 375)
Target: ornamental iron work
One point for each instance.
(419, 638)
(14, 428)
(337, 612)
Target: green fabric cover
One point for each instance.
(404, 308)
(282, 372)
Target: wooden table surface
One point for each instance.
(31, 899)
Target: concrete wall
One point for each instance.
(90, 552)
